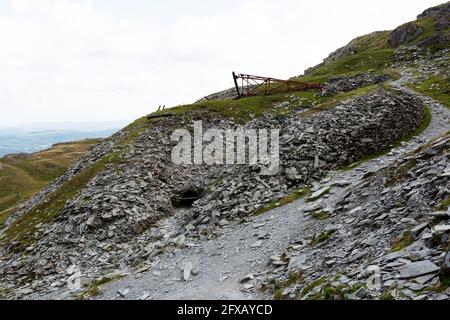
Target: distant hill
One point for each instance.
(22, 175)
(28, 141)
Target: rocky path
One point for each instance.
(217, 269)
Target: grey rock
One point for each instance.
(187, 270)
(441, 228)
(416, 269)
(417, 230)
(319, 193)
(297, 262)
(124, 292)
(405, 34)
(247, 278)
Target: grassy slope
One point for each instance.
(23, 229)
(373, 53)
(23, 175)
(435, 87)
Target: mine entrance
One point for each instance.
(186, 198)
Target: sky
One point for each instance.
(117, 60)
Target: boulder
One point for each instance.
(417, 269)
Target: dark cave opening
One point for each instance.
(185, 199)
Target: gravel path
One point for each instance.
(245, 249)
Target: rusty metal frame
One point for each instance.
(255, 85)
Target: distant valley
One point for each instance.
(36, 138)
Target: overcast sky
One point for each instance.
(108, 60)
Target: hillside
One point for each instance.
(23, 175)
(363, 174)
(13, 141)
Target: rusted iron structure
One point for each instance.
(248, 85)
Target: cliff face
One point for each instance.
(126, 206)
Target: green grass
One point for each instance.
(24, 228)
(435, 87)
(240, 110)
(320, 215)
(398, 173)
(21, 176)
(277, 295)
(364, 61)
(329, 292)
(94, 290)
(301, 193)
(373, 54)
(323, 237)
(3, 293)
(309, 200)
(428, 25)
(402, 242)
(387, 296)
(292, 279)
(444, 284)
(307, 289)
(443, 205)
(243, 110)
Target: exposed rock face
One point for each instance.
(436, 12)
(344, 84)
(405, 34)
(441, 16)
(349, 49)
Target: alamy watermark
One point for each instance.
(228, 146)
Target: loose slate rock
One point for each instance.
(297, 262)
(416, 269)
(416, 231)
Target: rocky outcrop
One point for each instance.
(405, 34)
(436, 12)
(441, 16)
(228, 94)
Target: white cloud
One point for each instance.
(75, 60)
